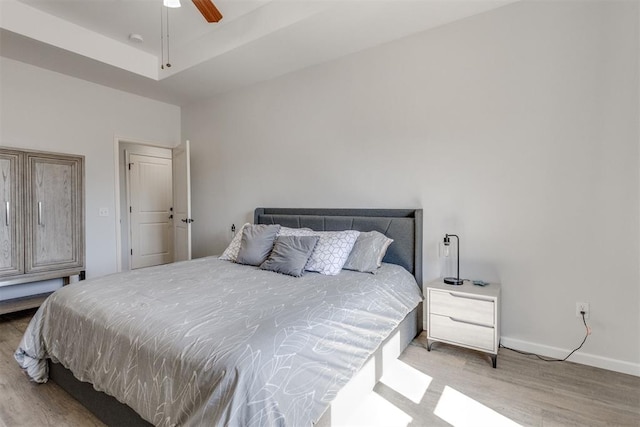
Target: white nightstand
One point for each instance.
(466, 315)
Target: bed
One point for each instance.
(187, 369)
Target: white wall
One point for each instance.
(516, 129)
(43, 110)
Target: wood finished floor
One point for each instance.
(525, 390)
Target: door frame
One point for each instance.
(134, 146)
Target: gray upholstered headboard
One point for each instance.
(404, 226)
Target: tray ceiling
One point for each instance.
(255, 41)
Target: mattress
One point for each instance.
(217, 343)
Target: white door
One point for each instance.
(150, 203)
(182, 202)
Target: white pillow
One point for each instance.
(231, 253)
(331, 251)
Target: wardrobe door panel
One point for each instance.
(55, 213)
(11, 214)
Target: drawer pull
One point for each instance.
(453, 319)
(7, 213)
(470, 297)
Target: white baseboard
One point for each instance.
(577, 357)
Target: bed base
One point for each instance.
(106, 408)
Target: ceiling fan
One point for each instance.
(206, 7)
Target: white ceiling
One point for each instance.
(255, 41)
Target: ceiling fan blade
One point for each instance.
(208, 10)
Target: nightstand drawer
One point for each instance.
(470, 308)
(459, 332)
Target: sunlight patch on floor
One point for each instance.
(406, 380)
(375, 411)
(461, 411)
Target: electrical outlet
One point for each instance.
(103, 212)
(582, 306)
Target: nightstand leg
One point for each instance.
(429, 345)
(494, 359)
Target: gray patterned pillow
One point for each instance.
(331, 251)
(367, 252)
(290, 254)
(256, 243)
(231, 253)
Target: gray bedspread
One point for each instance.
(210, 342)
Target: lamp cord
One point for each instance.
(547, 359)
(168, 43)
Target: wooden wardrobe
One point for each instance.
(41, 220)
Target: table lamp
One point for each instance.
(453, 280)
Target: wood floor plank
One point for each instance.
(25, 403)
(530, 391)
(525, 390)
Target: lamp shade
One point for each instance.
(171, 3)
